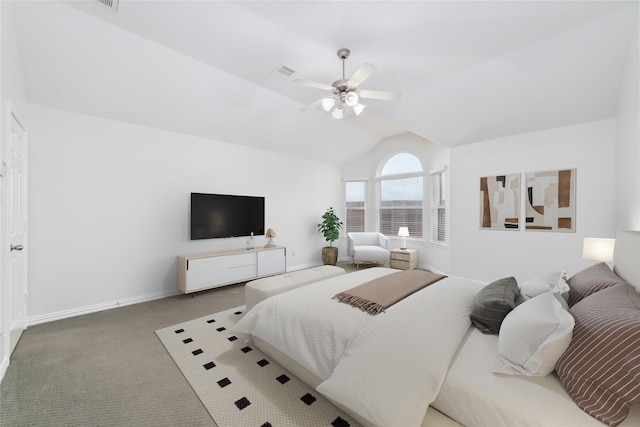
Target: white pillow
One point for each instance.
(554, 282)
(533, 336)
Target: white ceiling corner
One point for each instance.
(467, 71)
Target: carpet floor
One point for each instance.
(237, 383)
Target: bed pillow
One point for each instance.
(600, 368)
(493, 303)
(553, 282)
(533, 336)
(591, 280)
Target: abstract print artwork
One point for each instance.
(551, 200)
(500, 202)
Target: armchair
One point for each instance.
(368, 247)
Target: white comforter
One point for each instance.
(387, 368)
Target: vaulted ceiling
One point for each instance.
(467, 70)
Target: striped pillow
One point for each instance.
(601, 367)
(591, 280)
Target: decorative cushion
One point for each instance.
(492, 304)
(600, 369)
(553, 282)
(591, 280)
(533, 336)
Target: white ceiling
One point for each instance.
(468, 71)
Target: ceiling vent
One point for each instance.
(287, 71)
(111, 4)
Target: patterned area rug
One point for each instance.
(237, 383)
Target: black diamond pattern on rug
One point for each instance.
(242, 403)
(224, 382)
(340, 422)
(283, 379)
(242, 390)
(308, 399)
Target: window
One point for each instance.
(401, 195)
(438, 206)
(355, 199)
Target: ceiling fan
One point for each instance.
(345, 95)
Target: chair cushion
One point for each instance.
(370, 254)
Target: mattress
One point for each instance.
(474, 396)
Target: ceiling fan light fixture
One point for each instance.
(337, 113)
(358, 108)
(351, 99)
(328, 103)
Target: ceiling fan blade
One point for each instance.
(363, 73)
(314, 84)
(312, 105)
(379, 94)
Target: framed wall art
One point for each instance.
(500, 202)
(551, 200)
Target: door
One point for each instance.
(18, 229)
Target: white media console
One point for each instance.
(206, 270)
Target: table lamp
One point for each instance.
(404, 233)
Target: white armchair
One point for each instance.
(368, 247)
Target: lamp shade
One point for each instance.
(358, 108)
(337, 113)
(403, 232)
(351, 99)
(598, 249)
(328, 103)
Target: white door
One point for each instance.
(18, 228)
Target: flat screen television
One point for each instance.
(223, 215)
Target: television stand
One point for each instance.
(207, 270)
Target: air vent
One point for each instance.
(111, 4)
(287, 71)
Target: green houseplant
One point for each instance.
(330, 228)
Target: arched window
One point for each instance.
(401, 195)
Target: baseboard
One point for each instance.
(98, 307)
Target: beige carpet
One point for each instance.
(237, 383)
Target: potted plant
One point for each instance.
(330, 228)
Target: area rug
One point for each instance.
(240, 385)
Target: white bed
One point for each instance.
(386, 370)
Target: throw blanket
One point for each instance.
(375, 296)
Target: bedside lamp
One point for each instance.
(404, 233)
(598, 249)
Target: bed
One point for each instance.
(423, 362)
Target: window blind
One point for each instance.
(438, 206)
(355, 206)
(401, 201)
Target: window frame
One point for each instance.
(438, 184)
(398, 176)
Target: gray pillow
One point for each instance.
(591, 280)
(493, 303)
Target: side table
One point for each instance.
(404, 259)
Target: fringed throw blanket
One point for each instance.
(375, 296)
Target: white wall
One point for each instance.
(628, 144)
(432, 156)
(492, 254)
(109, 205)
